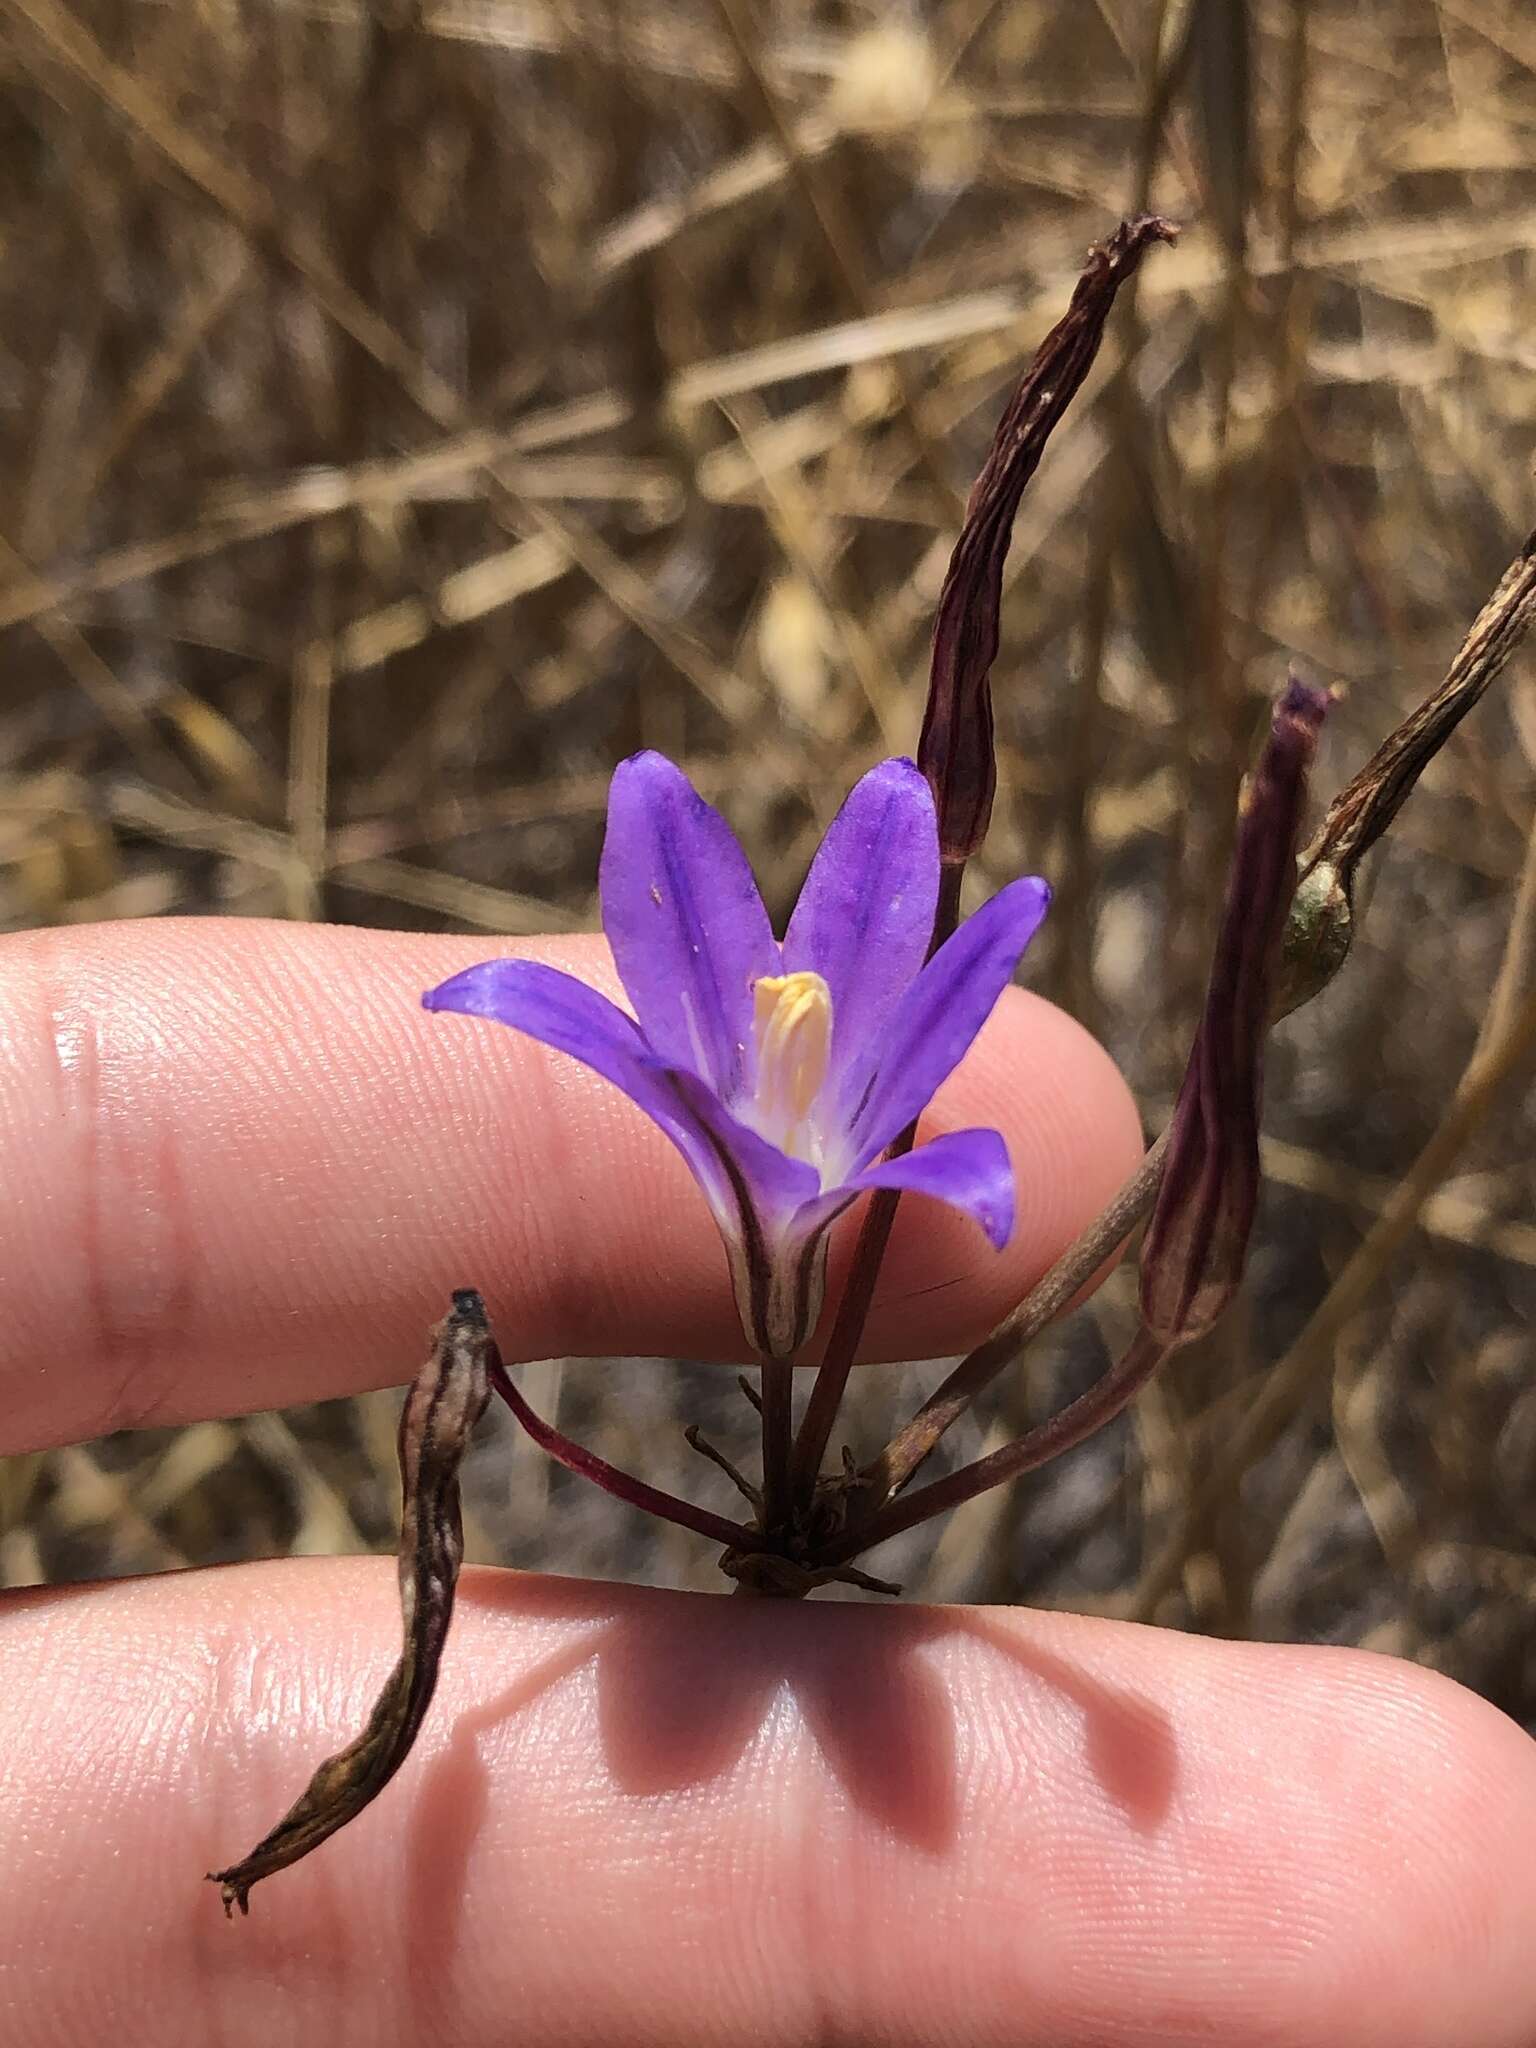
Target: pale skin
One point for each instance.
(240, 1169)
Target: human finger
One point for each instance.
(650, 1818)
(241, 1167)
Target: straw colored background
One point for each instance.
(409, 407)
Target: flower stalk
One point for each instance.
(624, 1486)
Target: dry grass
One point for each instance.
(413, 405)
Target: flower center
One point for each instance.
(792, 1024)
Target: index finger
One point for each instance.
(240, 1167)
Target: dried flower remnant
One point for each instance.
(442, 1406)
(955, 751)
(1198, 1236)
(1315, 944)
(782, 1072)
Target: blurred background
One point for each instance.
(409, 407)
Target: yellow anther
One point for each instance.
(792, 1023)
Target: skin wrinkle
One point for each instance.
(332, 1162)
(135, 1229)
(257, 1695)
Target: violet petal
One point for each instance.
(944, 1009)
(775, 1184)
(865, 916)
(684, 918)
(777, 1272)
(970, 1170)
(564, 1013)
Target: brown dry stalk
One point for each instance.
(1503, 1052)
(442, 1406)
(887, 1474)
(1363, 810)
(1492, 1071)
(1073, 1425)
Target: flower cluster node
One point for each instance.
(785, 1578)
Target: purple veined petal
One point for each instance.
(865, 915)
(776, 1184)
(564, 1013)
(970, 1170)
(943, 1010)
(686, 923)
(778, 1273)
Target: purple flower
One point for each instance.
(782, 1072)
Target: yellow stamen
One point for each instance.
(792, 1023)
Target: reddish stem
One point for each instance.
(622, 1485)
(1079, 1420)
(869, 1255)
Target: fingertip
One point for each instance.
(1415, 1860)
